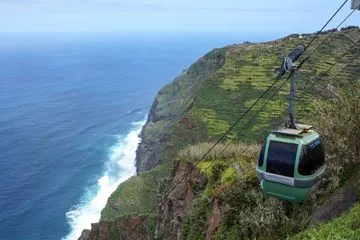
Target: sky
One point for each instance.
(171, 16)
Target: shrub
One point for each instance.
(194, 226)
(339, 121)
(196, 152)
(250, 215)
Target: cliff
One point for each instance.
(169, 105)
(221, 200)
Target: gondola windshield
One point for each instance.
(281, 158)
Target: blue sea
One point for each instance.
(71, 108)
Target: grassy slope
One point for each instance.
(137, 195)
(223, 97)
(345, 227)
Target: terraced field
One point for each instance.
(249, 71)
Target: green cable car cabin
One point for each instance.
(290, 163)
(292, 160)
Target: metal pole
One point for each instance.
(292, 100)
(289, 66)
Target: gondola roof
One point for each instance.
(297, 136)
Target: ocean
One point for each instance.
(71, 109)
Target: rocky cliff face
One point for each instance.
(173, 209)
(120, 229)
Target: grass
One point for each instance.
(137, 195)
(196, 152)
(345, 227)
(228, 175)
(212, 122)
(194, 227)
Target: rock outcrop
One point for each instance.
(174, 207)
(340, 202)
(131, 228)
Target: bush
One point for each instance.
(250, 215)
(339, 123)
(197, 152)
(194, 227)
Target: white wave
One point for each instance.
(120, 166)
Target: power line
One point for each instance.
(223, 136)
(329, 69)
(251, 120)
(318, 33)
(264, 131)
(319, 92)
(237, 121)
(328, 36)
(322, 74)
(332, 65)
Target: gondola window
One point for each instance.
(281, 158)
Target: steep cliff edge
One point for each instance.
(221, 201)
(169, 105)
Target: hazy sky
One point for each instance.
(256, 16)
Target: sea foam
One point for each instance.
(119, 167)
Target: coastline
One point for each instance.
(119, 167)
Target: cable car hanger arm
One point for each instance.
(289, 66)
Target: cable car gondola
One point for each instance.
(290, 163)
(292, 160)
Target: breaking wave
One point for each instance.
(119, 167)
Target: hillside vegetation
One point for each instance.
(220, 198)
(345, 227)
